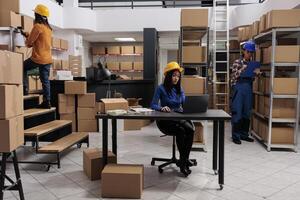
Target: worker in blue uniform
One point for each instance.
(243, 73)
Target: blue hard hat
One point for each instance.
(249, 46)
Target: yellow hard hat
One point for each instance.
(42, 10)
(171, 66)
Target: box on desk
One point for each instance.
(113, 104)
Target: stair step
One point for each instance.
(37, 111)
(63, 143)
(46, 128)
(31, 96)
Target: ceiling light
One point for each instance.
(125, 39)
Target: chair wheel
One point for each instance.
(152, 162)
(160, 170)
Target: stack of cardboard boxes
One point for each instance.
(75, 65)
(86, 112)
(66, 108)
(11, 101)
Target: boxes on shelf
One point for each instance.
(119, 175)
(246, 33)
(283, 54)
(13, 5)
(12, 133)
(71, 117)
(133, 101)
(98, 51)
(261, 106)
(256, 103)
(285, 86)
(262, 23)
(11, 101)
(127, 66)
(193, 85)
(282, 108)
(138, 49)
(55, 43)
(114, 103)
(127, 49)
(56, 64)
(27, 23)
(234, 44)
(258, 55)
(86, 113)
(76, 72)
(194, 18)
(138, 66)
(193, 54)
(282, 135)
(65, 65)
(87, 100)
(198, 135)
(255, 29)
(75, 87)
(26, 52)
(11, 68)
(66, 104)
(255, 124)
(283, 18)
(87, 125)
(64, 44)
(9, 18)
(114, 50)
(114, 66)
(92, 162)
(75, 63)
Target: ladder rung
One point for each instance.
(221, 20)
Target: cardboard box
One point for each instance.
(246, 33)
(261, 106)
(9, 19)
(26, 52)
(263, 130)
(262, 23)
(283, 18)
(12, 133)
(13, 5)
(198, 135)
(282, 108)
(87, 101)
(75, 61)
(193, 85)
(66, 104)
(122, 181)
(132, 124)
(92, 162)
(255, 84)
(234, 44)
(100, 107)
(72, 117)
(98, 50)
(39, 85)
(65, 65)
(64, 44)
(4, 47)
(193, 54)
(56, 64)
(126, 66)
(134, 102)
(32, 83)
(256, 103)
(138, 49)
(194, 18)
(55, 43)
(255, 124)
(255, 29)
(261, 84)
(282, 135)
(11, 101)
(27, 23)
(86, 113)
(114, 66)
(114, 50)
(115, 103)
(240, 34)
(127, 49)
(11, 68)
(138, 66)
(258, 55)
(283, 54)
(75, 87)
(87, 125)
(282, 86)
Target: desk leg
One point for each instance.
(104, 140)
(114, 136)
(215, 147)
(3, 173)
(221, 154)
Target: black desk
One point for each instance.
(217, 116)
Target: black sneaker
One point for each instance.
(248, 139)
(236, 141)
(45, 104)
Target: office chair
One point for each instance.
(169, 161)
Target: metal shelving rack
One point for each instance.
(11, 31)
(272, 35)
(221, 38)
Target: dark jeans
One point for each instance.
(184, 132)
(44, 76)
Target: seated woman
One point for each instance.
(168, 97)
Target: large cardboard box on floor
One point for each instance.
(283, 18)
(87, 100)
(133, 124)
(114, 103)
(11, 101)
(283, 54)
(75, 87)
(114, 50)
(89, 125)
(27, 23)
(193, 54)
(194, 18)
(92, 162)
(86, 113)
(282, 108)
(122, 181)
(127, 50)
(12, 133)
(72, 117)
(282, 86)
(193, 85)
(9, 19)
(13, 5)
(66, 104)
(26, 52)
(199, 134)
(11, 68)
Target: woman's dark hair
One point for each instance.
(169, 85)
(39, 19)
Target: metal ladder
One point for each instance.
(221, 54)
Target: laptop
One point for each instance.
(195, 104)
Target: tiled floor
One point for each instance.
(251, 173)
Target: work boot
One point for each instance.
(236, 141)
(248, 139)
(189, 163)
(45, 104)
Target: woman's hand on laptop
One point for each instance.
(165, 109)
